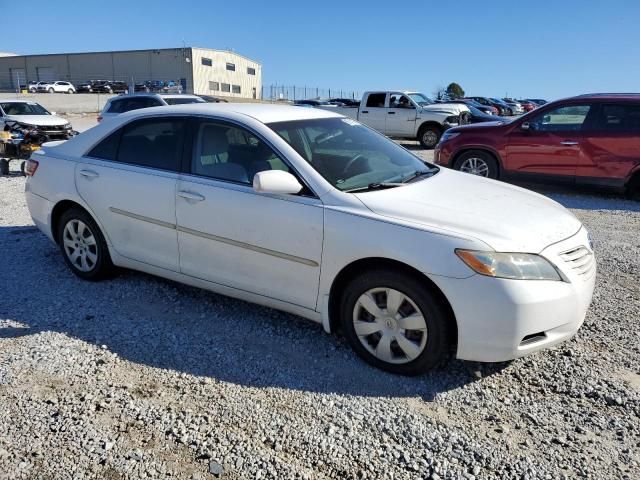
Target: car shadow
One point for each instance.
(163, 324)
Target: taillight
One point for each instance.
(30, 167)
(99, 118)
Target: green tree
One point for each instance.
(455, 91)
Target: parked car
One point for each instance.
(32, 86)
(56, 87)
(125, 103)
(347, 102)
(409, 260)
(311, 103)
(528, 105)
(589, 139)
(478, 116)
(87, 87)
(538, 101)
(110, 87)
(32, 115)
(486, 109)
(508, 110)
(212, 99)
(404, 115)
(502, 109)
(516, 107)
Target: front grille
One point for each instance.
(580, 260)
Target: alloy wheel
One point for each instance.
(475, 166)
(80, 245)
(390, 325)
(430, 138)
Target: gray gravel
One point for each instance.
(139, 377)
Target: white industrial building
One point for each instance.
(201, 71)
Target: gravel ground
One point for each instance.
(139, 377)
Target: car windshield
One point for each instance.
(183, 101)
(351, 156)
(23, 108)
(420, 99)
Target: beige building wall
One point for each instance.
(213, 79)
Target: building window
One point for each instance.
(215, 86)
(251, 71)
(226, 87)
(231, 66)
(206, 61)
(236, 89)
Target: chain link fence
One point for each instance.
(285, 93)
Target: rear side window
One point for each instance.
(376, 100)
(620, 117)
(154, 143)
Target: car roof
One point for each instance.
(262, 112)
(608, 96)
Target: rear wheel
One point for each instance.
(51, 90)
(633, 189)
(477, 162)
(429, 136)
(83, 246)
(70, 91)
(394, 322)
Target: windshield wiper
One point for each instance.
(419, 173)
(374, 186)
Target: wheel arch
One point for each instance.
(430, 123)
(485, 149)
(356, 267)
(61, 207)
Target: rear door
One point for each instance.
(611, 144)
(129, 182)
(374, 112)
(552, 144)
(401, 116)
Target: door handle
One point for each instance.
(365, 111)
(89, 173)
(569, 142)
(196, 197)
(391, 113)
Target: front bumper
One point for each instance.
(499, 319)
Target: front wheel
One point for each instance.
(51, 90)
(477, 162)
(394, 322)
(429, 136)
(83, 246)
(70, 91)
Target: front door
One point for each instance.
(401, 116)
(270, 245)
(129, 181)
(550, 146)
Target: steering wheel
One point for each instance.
(351, 162)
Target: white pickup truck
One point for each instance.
(404, 115)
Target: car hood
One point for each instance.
(505, 217)
(38, 120)
(450, 108)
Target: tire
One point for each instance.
(22, 165)
(51, 90)
(429, 136)
(477, 162)
(70, 91)
(407, 351)
(4, 166)
(633, 189)
(93, 262)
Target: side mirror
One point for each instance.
(276, 181)
(525, 126)
(53, 113)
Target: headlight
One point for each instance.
(67, 126)
(448, 136)
(452, 119)
(517, 266)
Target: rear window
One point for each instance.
(135, 103)
(183, 101)
(376, 100)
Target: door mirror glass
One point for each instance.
(525, 126)
(276, 181)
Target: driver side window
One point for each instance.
(562, 119)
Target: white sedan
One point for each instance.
(310, 212)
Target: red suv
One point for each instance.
(589, 140)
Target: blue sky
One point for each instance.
(545, 48)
